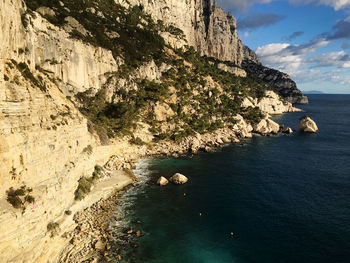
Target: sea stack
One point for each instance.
(306, 124)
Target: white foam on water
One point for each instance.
(142, 169)
(126, 201)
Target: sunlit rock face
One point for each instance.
(210, 30)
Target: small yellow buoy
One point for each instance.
(232, 234)
(184, 194)
(200, 214)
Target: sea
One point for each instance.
(283, 198)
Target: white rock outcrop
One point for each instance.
(178, 179)
(271, 103)
(306, 124)
(266, 126)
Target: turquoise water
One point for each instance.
(285, 198)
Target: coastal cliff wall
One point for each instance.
(44, 140)
(48, 145)
(211, 30)
(213, 33)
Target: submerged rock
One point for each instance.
(306, 124)
(178, 179)
(162, 181)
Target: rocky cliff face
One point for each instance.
(207, 28)
(44, 140)
(48, 68)
(278, 81)
(213, 33)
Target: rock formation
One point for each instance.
(286, 130)
(278, 81)
(306, 124)
(271, 103)
(178, 179)
(51, 67)
(213, 33)
(162, 181)
(206, 27)
(266, 126)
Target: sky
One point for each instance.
(307, 39)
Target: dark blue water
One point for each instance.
(285, 198)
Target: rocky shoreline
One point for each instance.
(91, 240)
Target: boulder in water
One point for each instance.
(306, 124)
(178, 179)
(162, 181)
(287, 130)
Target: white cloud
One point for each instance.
(271, 49)
(339, 59)
(336, 4)
(305, 67)
(288, 58)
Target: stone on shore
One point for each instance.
(306, 124)
(100, 245)
(178, 179)
(162, 181)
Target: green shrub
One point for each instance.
(98, 169)
(30, 199)
(83, 189)
(19, 197)
(28, 75)
(137, 39)
(85, 184)
(253, 115)
(137, 141)
(88, 149)
(15, 201)
(53, 228)
(68, 212)
(97, 172)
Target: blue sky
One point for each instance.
(308, 39)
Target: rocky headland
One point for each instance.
(87, 88)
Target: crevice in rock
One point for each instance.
(207, 11)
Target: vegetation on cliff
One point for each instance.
(197, 96)
(20, 197)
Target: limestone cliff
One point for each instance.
(278, 81)
(213, 33)
(209, 29)
(85, 83)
